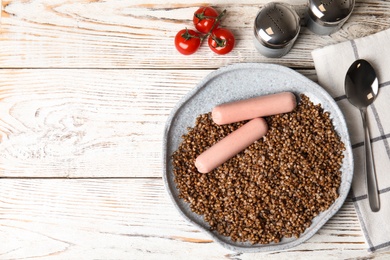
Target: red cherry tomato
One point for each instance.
(204, 19)
(187, 41)
(221, 41)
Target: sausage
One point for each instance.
(231, 145)
(246, 109)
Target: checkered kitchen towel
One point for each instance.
(332, 63)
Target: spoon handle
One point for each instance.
(372, 186)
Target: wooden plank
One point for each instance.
(139, 34)
(132, 219)
(87, 123)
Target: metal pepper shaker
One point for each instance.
(276, 28)
(325, 17)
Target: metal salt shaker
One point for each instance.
(276, 28)
(326, 17)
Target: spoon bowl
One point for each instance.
(361, 89)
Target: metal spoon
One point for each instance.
(361, 88)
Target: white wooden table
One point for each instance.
(85, 90)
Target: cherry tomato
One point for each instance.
(187, 41)
(221, 41)
(204, 19)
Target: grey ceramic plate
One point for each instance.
(240, 81)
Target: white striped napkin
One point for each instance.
(331, 64)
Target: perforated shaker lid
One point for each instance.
(329, 12)
(276, 25)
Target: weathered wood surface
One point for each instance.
(132, 219)
(139, 34)
(85, 90)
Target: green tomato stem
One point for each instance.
(187, 36)
(220, 42)
(219, 17)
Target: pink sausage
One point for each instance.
(231, 145)
(254, 107)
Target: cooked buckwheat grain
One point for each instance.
(272, 189)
